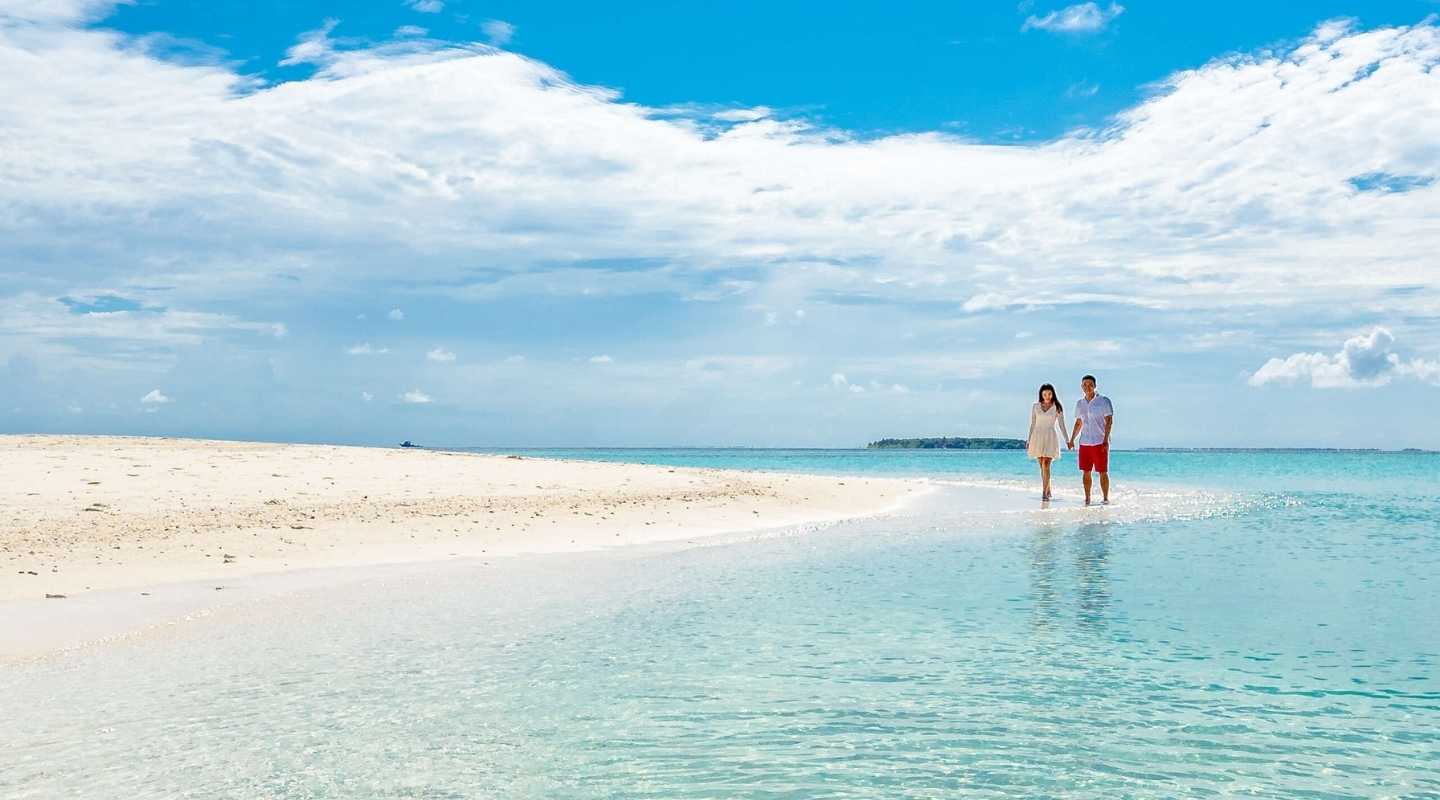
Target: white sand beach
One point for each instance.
(110, 516)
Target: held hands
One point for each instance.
(1070, 444)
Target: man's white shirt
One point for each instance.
(1092, 414)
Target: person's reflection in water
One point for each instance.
(1092, 574)
(1044, 604)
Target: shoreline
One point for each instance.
(96, 519)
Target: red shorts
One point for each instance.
(1095, 456)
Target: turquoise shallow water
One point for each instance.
(1411, 472)
(1286, 645)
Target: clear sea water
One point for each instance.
(1240, 624)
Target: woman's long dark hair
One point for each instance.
(1053, 394)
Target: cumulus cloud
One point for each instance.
(1196, 198)
(416, 397)
(427, 6)
(1368, 359)
(601, 359)
(396, 314)
(155, 397)
(411, 30)
(366, 349)
(1420, 369)
(366, 397)
(1264, 186)
(497, 31)
(440, 354)
(1079, 18)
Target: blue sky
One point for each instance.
(578, 224)
(871, 67)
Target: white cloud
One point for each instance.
(416, 397)
(1145, 201)
(411, 30)
(1079, 18)
(155, 397)
(51, 12)
(1420, 369)
(314, 47)
(601, 359)
(1081, 89)
(986, 301)
(396, 314)
(515, 359)
(440, 354)
(366, 349)
(497, 31)
(366, 397)
(134, 338)
(1368, 359)
(427, 6)
(839, 380)
(743, 114)
(1323, 371)
(1223, 196)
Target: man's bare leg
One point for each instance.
(1087, 487)
(1104, 486)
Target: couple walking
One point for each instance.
(1094, 415)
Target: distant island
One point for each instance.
(948, 443)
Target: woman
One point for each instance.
(1043, 443)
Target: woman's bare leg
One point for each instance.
(1045, 477)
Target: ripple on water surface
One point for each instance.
(1284, 647)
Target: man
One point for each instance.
(1094, 416)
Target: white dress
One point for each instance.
(1044, 439)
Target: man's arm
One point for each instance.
(1109, 423)
(1075, 432)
